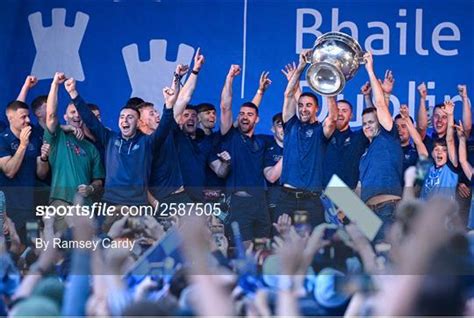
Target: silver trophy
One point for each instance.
(335, 59)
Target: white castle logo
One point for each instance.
(57, 46)
(148, 78)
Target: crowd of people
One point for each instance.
(232, 222)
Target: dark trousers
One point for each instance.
(251, 214)
(291, 201)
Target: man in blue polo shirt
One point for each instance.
(21, 160)
(166, 184)
(381, 165)
(305, 144)
(245, 182)
(274, 163)
(209, 144)
(127, 153)
(344, 149)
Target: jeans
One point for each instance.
(386, 213)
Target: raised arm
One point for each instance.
(226, 99)
(466, 109)
(180, 71)
(452, 153)
(289, 103)
(415, 136)
(288, 72)
(96, 127)
(422, 121)
(170, 96)
(52, 102)
(383, 114)
(186, 93)
(465, 165)
(263, 84)
(366, 90)
(30, 82)
(329, 124)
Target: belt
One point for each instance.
(301, 194)
(382, 204)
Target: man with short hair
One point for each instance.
(305, 144)
(344, 149)
(22, 158)
(128, 153)
(95, 110)
(245, 181)
(75, 163)
(381, 165)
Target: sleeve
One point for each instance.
(268, 158)
(290, 123)
(97, 168)
(97, 128)
(5, 149)
(167, 123)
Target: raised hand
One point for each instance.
(181, 70)
(366, 89)
(388, 81)
(30, 81)
(70, 86)
(448, 107)
(169, 96)
(234, 71)
(369, 61)
(460, 130)
(422, 90)
(289, 70)
(305, 58)
(462, 89)
(264, 81)
(198, 60)
(25, 136)
(59, 78)
(404, 112)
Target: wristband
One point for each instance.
(44, 160)
(260, 91)
(195, 72)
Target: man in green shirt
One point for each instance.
(75, 162)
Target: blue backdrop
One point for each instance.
(122, 48)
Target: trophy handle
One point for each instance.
(361, 57)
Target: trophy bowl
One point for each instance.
(335, 59)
